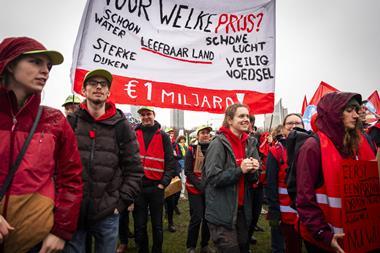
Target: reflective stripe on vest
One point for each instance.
(328, 195)
(288, 214)
(152, 158)
(330, 201)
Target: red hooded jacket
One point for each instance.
(46, 190)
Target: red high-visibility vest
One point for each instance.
(152, 158)
(328, 195)
(288, 214)
(197, 169)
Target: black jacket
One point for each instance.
(111, 177)
(221, 182)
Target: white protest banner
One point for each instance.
(191, 55)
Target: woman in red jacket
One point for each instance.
(42, 203)
(319, 199)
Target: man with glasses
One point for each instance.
(112, 169)
(158, 161)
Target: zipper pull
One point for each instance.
(14, 123)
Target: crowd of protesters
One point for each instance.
(70, 184)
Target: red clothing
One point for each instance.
(309, 166)
(288, 214)
(264, 151)
(238, 147)
(46, 191)
(152, 158)
(109, 112)
(13, 47)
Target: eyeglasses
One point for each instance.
(296, 123)
(95, 83)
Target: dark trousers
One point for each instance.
(169, 206)
(277, 240)
(258, 197)
(293, 241)
(124, 227)
(231, 240)
(197, 212)
(153, 198)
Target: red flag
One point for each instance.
(304, 105)
(322, 90)
(375, 100)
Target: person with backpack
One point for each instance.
(112, 168)
(231, 166)
(156, 155)
(194, 161)
(339, 139)
(282, 217)
(40, 168)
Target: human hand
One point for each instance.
(248, 164)
(4, 228)
(52, 244)
(160, 186)
(334, 243)
(270, 138)
(256, 163)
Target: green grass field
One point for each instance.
(176, 242)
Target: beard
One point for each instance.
(96, 101)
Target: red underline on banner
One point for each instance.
(175, 58)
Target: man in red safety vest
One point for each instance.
(158, 161)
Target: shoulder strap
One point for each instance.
(73, 120)
(120, 129)
(14, 167)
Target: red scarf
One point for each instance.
(110, 111)
(238, 147)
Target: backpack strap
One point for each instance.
(14, 167)
(120, 129)
(73, 120)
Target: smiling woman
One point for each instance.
(231, 167)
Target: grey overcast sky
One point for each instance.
(336, 41)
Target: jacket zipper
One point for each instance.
(90, 163)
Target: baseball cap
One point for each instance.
(55, 57)
(99, 72)
(13, 47)
(147, 108)
(72, 99)
(169, 129)
(203, 127)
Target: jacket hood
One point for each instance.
(329, 120)
(227, 131)
(110, 117)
